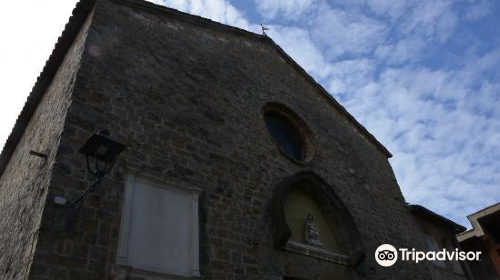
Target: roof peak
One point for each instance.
(198, 20)
(80, 13)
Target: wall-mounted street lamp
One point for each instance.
(100, 154)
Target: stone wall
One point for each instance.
(187, 97)
(189, 100)
(25, 182)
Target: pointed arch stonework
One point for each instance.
(333, 209)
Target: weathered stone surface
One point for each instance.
(188, 98)
(24, 185)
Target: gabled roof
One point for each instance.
(434, 217)
(71, 30)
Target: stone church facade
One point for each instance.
(206, 188)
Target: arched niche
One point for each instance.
(298, 207)
(333, 217)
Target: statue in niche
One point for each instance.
(312, 232)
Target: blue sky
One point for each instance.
(422, 76)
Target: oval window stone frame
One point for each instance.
(298, 126)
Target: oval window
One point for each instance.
(286, 135)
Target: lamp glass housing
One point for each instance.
(103, 148)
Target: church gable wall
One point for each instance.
(189, 102)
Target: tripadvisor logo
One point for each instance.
(387, 255)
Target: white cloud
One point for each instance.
(338, 31)
(298, 44)
(216, 10)
(288, 9)
(432, 19)
(349, 74)
(446, 25)
(389, 8)
(341, 32)
(406, 50)
(479, 11)
(436, 145)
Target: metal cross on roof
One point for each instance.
(264, 29)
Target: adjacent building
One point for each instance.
(440, 233)
(484, 237)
